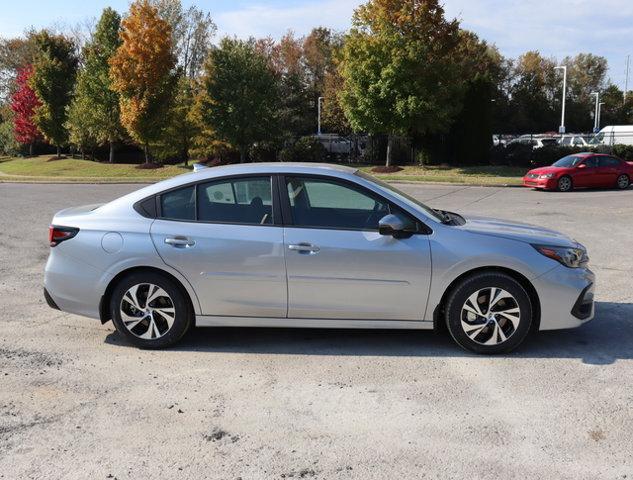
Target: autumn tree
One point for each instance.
(53, 80)
(142, 72)
(399, 69)
(94, 115)
(24, 102)
(15, 54)
(240, 95)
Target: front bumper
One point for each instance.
(566, 297)
(544, 183)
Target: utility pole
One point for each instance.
(320, 99)
(561, 130)
(596, 121)
(626, 78)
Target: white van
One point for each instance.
(614, 135)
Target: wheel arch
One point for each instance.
(104, 304)
(438, 314)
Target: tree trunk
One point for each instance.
(83, 153)
(111, 156)
(59, 151)
(242, 154)
(185, 155)
(31, 149)
(146, 151)
(389, 150)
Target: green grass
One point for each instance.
(46, 169)
(480, 175)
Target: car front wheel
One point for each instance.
(564, 184)
(150, 310)
(489, 313)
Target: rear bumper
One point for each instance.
(566, 297)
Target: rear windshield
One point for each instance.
(568, 161)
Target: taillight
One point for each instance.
(57, 235)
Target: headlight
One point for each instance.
(571, 257)
(546, 175)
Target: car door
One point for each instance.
(586, 174)
(609, 170)
(338, 264)
(225, 238)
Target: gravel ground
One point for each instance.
(76, 402)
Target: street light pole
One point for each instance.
(599, 113)
(596, 122)
(320, 99)
(561, 130)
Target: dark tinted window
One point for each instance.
(240, 200)
(609, 162)
(592, 162)
(328, 204)
(178, 204)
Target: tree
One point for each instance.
(535, 93)
(192, 32)
(182, 125)
(95, 112)
(24, 103)
(396, 62)
(53, 81)
(142, 72)
(240, 95)
(15, 54)
(83, 131)
(586, 73)
(616, 111)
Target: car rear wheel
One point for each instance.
(565, 184)
(489, 313)
(150, 310)
(623, 182)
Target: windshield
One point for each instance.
(406, 198)
(568, 161)
(597, 140)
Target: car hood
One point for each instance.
(517, 231)
(544, 170)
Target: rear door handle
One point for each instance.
(180, 242)
(305, 248)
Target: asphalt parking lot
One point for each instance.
(76, 402)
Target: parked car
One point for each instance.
(335, 143)
(614, 135)
(298, 245)
(576, 140)
(581, 170)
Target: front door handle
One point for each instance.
(180, 242)
(304, 248)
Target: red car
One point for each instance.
(581, 170)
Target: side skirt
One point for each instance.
(213, 321)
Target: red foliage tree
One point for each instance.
(23, 103)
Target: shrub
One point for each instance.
(306, 149)
(625, 152)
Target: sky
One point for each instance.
(554, 27)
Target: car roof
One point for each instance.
(270, 168)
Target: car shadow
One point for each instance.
(609, 337)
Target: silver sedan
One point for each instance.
(318, 246)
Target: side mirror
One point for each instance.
(396, 226)
(582, 165)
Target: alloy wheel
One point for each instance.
(623, 182)
(490, 316)
(564, 184)
(147, 311)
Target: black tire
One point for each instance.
(183, 316)
(623, 182)
(482, 281)
(565, 184)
